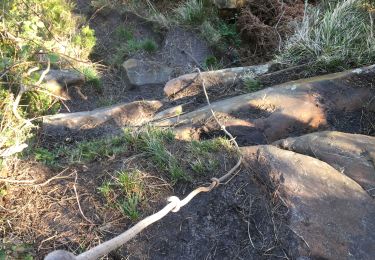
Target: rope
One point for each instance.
(174, 205)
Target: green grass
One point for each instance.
(105, 189)
(131, 47)
(131, 183)
(39, 25)
(125, 192)
(154, 144)
(129, 207)
(92, 77)
(198, 148)
(45, 156)
(252, 85)
(105, 102)
(123, 33)
(333, 36)
(149, 45)
(191, 12)
(3, 192)
(202, 154)
(211, 63)
(96, 150)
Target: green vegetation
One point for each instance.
(149, 45)
(209, 146)
(251, 84)
(128, 45)
(198, 15)
(96, 150)
(200, 152)
(334, 35)
(155, 145)
(15, 251)
(191, 12)
(92, 77)
(153, 142)
(105, 189)
(45, 156)
(211, 63)
(125, 192)
(201, 15)
(123, 33)
(35, 33)
(129, 207)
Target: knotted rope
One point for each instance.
(174, 205)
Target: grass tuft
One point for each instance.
(209, 146)
(105, 189)
(334, 36)
(123, 33)
(149, 45)
(252, 85)
(92, 77)
(191, 12)
(129, 207)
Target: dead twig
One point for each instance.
(32, 182)
(77, 198)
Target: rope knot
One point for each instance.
(177, 201)
(215, 182)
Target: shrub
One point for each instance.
(34, 32)
(334, 35)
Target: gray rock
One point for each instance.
(57, 80)
(331, 215)
(65, 77)
(350, 154)
(141, 72)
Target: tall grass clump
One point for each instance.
(334, 35)
(191, 12)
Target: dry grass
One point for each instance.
(47, 217)
(75, 206)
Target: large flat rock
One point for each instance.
(142, 72)
(350, 154)
(330, 213)
(330, 102)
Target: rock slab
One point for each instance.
(350, 154)
(57, 80)
(141, 72)
(330, 213)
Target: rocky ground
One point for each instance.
(305, 189)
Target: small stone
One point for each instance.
(141, 73)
